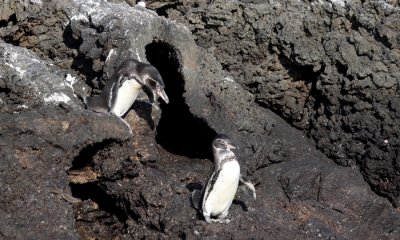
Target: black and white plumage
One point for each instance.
(222, 185)
(124, 86)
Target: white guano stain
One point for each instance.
(57, 97)
(20, 72)
(110, 53)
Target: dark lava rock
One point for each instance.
(83, 175)
(43, 129)
(329, 68)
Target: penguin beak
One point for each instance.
(160, 92)
(230, 146)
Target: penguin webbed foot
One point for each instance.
(217, 220)
(223, 220)
(220, 219)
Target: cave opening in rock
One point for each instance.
(11, 21)
(98, 195)
(163, 10)
(84, 187)
(85, 156)
(179, 131)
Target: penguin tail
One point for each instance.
(246, 184)
(96, 104)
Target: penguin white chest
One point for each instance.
(126, 96)
(222, 190)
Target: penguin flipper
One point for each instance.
(97, 104)
(195, 199)
(246, 184)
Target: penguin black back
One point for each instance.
(124, 85)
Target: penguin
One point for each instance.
(123, 87)
(222, 184)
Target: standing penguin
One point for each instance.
(124, 86)
(223, 183)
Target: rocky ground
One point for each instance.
(309, 91)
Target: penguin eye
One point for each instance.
(220, 143)
(152, 83)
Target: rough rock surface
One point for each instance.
(44, 127)
(330, 68)
(78, 174)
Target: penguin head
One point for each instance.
(221, 146)
(147, 76)
(152, 81)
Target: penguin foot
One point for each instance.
(224, 220)
(221, 220)
(217, 220)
